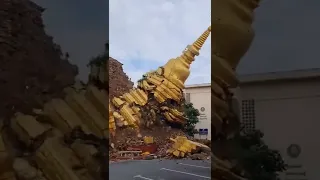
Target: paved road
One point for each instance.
(160, 170)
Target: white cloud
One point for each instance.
(145, 34)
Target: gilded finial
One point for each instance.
(193, 50)
(202, 39)
(177, 70)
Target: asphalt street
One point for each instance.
(160, 170)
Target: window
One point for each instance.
(248, 115)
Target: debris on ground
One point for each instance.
(163, 140)
(51, 127)
(148, 139)
(156, 140)
(179, 147)
(182, 147)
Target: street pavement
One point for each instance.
(160, 170)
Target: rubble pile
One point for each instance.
(126, 140)
(119, 82)
(52, 128)
(126, 145)
(36, 107)
(174, 145)
(32, 68)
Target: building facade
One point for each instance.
(285, 106)
(200, 96)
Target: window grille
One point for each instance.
(248, 115)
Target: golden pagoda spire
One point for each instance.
(193, 50)
(201, 40)
(177, 70)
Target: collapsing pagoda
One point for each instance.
(162, 88)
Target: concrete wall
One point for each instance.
(289, 113)
(201, 99)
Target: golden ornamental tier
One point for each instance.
(158, 95)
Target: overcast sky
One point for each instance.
(79, 26)
(287, 37)
(144, 34)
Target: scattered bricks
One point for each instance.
(29, 130)
(98, 99)
(130, 116)
(87, 112)
(117, 120)
(151, 148)
(148, 140)
(183, 146)
(63, 117)
(86, 154)
(59, 162)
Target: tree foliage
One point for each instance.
(255, 157)
(192, 115)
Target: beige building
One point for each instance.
(200, 96)
(285, 106)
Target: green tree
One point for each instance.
(254, 157)
(192, 115)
